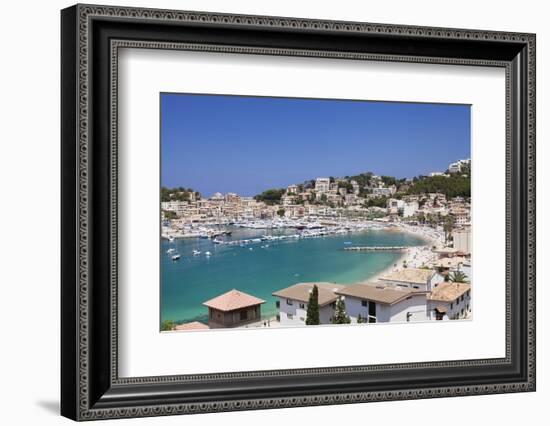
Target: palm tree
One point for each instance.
(458, 277)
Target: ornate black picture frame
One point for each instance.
(91, 37)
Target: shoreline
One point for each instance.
(414, 256)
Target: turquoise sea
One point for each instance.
(187, 283)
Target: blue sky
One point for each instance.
(246, 145)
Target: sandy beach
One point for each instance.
(414, 257)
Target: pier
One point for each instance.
(376, 248)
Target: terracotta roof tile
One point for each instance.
(380, 293)
(410, 275)
(195, 325)
(448, 292)
(301, 292)
(233, 299)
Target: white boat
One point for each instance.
(216, 241)
(170, 238)
(208, 254)
(196, 252)
(170, 250)
(176, 256)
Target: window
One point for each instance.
(451, 306)
(415, 286)
(468, 293)
(365, 303)
(289, 302)
(244, 315)
(278, 304)
(302, 319)
(302, 305)
(372, 311)
(290, 316)
(461, 298)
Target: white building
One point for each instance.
(459, 166)
(454, 168)
(462, 216)
(322, 185)
(292, 190)
(413, 278)
(450, 300)
(218, 196)
(355, 187)
(409, 209)
(376, 302)
(178, 207)
(292, 302)
(396, 204)
(384, 192)
(462, 240)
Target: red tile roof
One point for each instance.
(195, 325)
(233, 299)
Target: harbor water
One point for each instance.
(261, 268)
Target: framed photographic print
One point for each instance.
(263, 212)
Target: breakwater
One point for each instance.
(376, 248)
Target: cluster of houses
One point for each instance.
(326, 198)
(408, 295)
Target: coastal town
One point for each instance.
(429, 282)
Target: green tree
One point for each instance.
(312, 317)
(281, 212)
(377, 202)
(177, 194)
(164, 194)
(347, 185)
(167, 325)
(361, 320)
(169, 214)
(458, 277)
(452, 186)
(340, 316)
(388, 180)
(271, 196)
